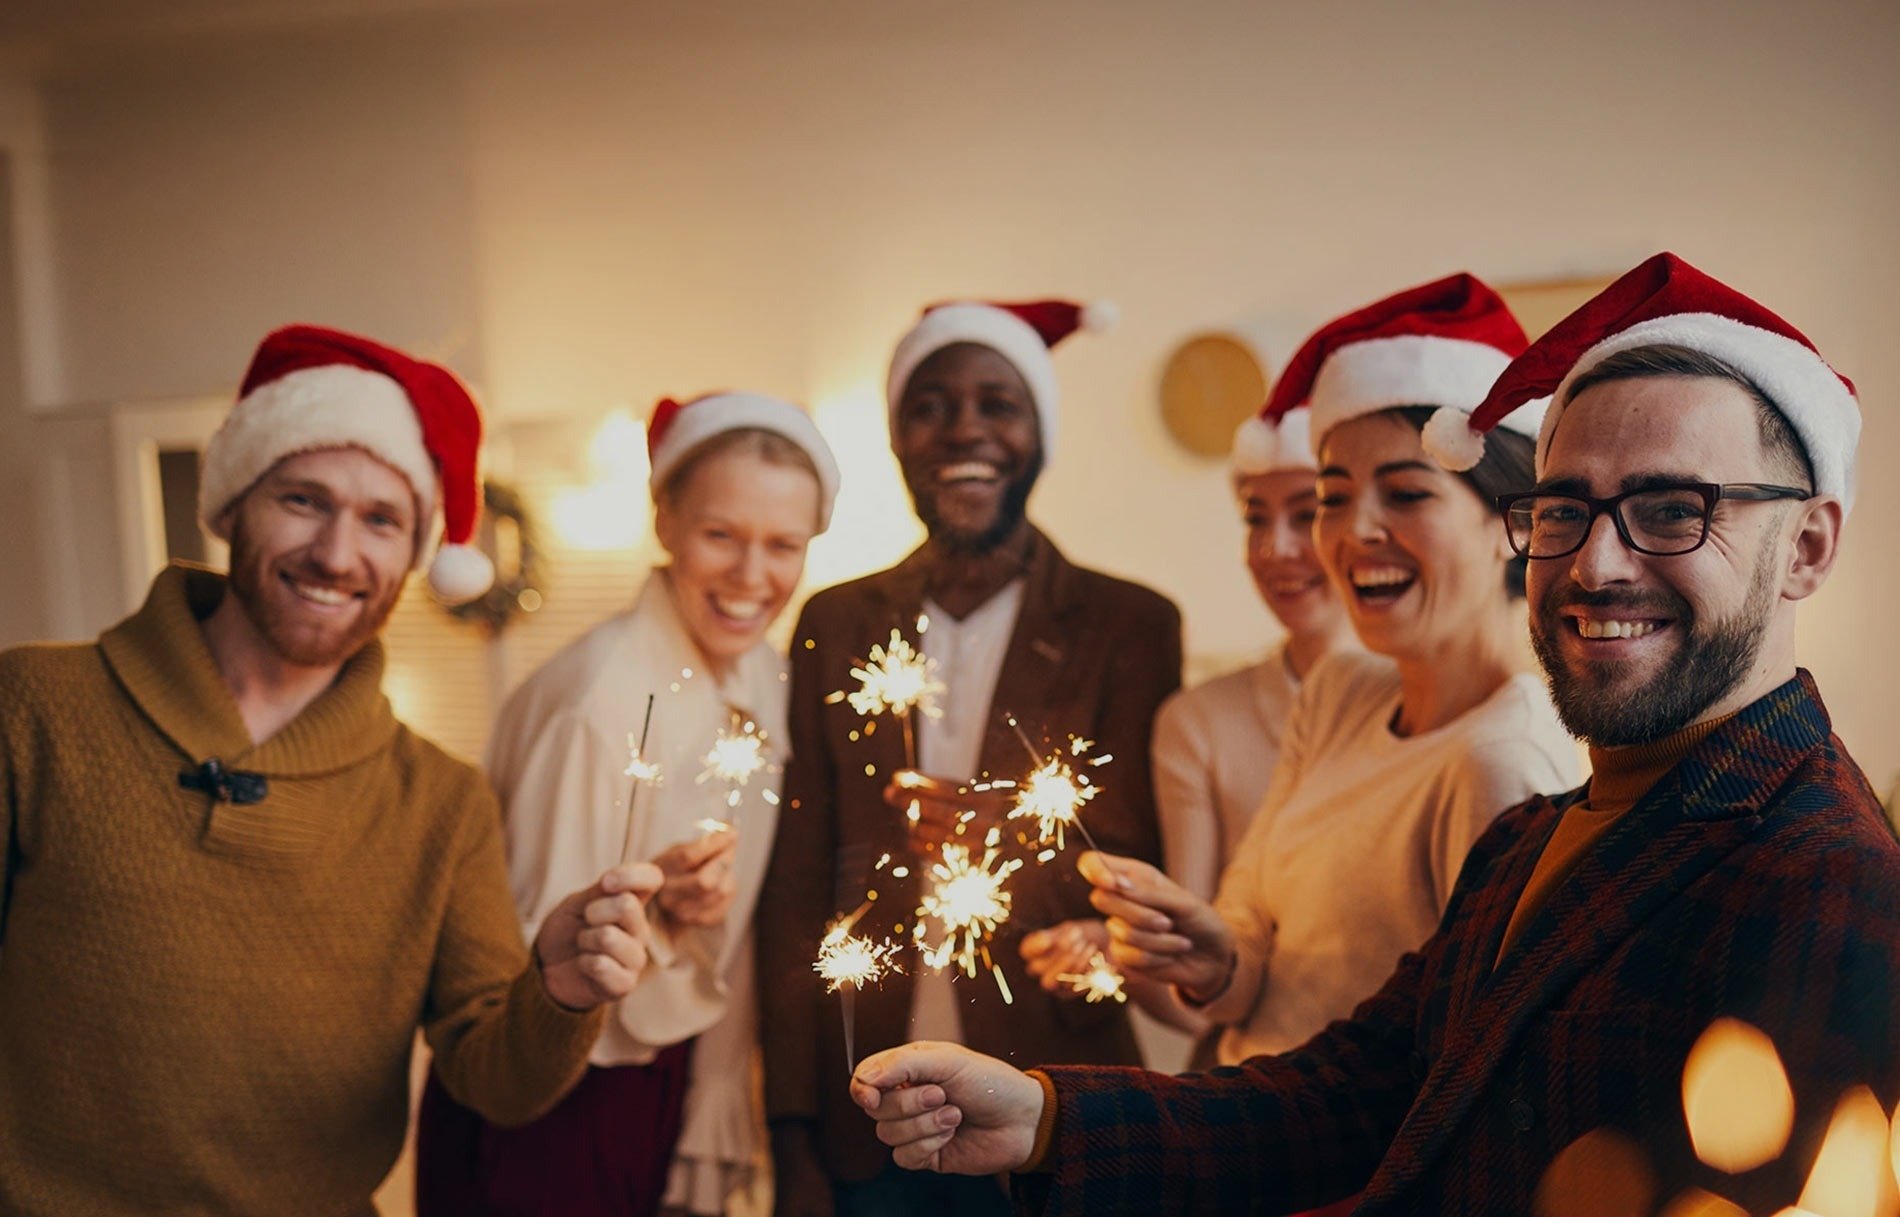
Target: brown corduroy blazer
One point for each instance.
(1092, 656)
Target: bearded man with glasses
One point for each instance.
(1726, 861)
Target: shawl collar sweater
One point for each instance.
(208, 1006)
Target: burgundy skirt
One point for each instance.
(602, 1151)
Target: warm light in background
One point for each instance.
(614, 508)
(1736, 1098)
(1853, 1174)
(872, 525)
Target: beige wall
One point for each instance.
(585, 207)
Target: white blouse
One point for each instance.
(558, 760)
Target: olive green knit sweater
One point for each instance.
(207, 1007)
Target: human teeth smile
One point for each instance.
(315, 593)
(1589, 628)
(967, 471)
(1380, 576)
(738, 610)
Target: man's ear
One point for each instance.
(1816, 542)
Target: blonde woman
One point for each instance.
(663, 1118)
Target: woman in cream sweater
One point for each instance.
(1395, 761)
(663, 1120)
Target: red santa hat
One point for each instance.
(1438, 344)
(309, 387)
(677, 428)
(1021, 333)
(1666, 301)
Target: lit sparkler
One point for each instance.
(1054, 793)
(643, 771)
(848, 963)
(968, 902)
(897, 678)
(738, 752)
(1100, 983)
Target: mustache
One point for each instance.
(316, 576)
(1656, 600)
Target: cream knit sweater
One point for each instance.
(207, 1007)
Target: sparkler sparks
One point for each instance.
(847, 959)
(848, 963)
(967, 902)
(738, 753)
(1100, 983)
(897, 678)
(1054, 794)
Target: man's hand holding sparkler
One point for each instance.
(698, 885)
(1157, 929)
(937, 807)
(593, 946)
(942, 1107)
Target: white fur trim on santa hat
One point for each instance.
(986, 325)
(1262, 447)
(703, 418)
(1402, 370)
(333, 406)
(1808, 393)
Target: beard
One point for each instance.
(1604, 703)
(1011, 509)
(294, 639)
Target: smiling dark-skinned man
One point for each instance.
(1017, 630)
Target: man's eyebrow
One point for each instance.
(1334, 471)
(1647, 480)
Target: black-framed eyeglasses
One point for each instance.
(1661, 521)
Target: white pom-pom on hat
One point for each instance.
(1448, 438)
(1256, 447)
(460, 572)
(1099, 315)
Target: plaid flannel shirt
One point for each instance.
(1757, 880)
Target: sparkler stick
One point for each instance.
(1053, 793)
(644, 773)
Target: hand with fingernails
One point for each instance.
(593, 946)
(1064, 950)
(699, 884)
(942, 804)
(942, 1107)
(1157, 929)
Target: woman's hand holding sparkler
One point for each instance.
(1064, 950)
(937, 807)
(698, 885)
(1157, 929)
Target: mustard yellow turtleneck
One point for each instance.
(1618, 778)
